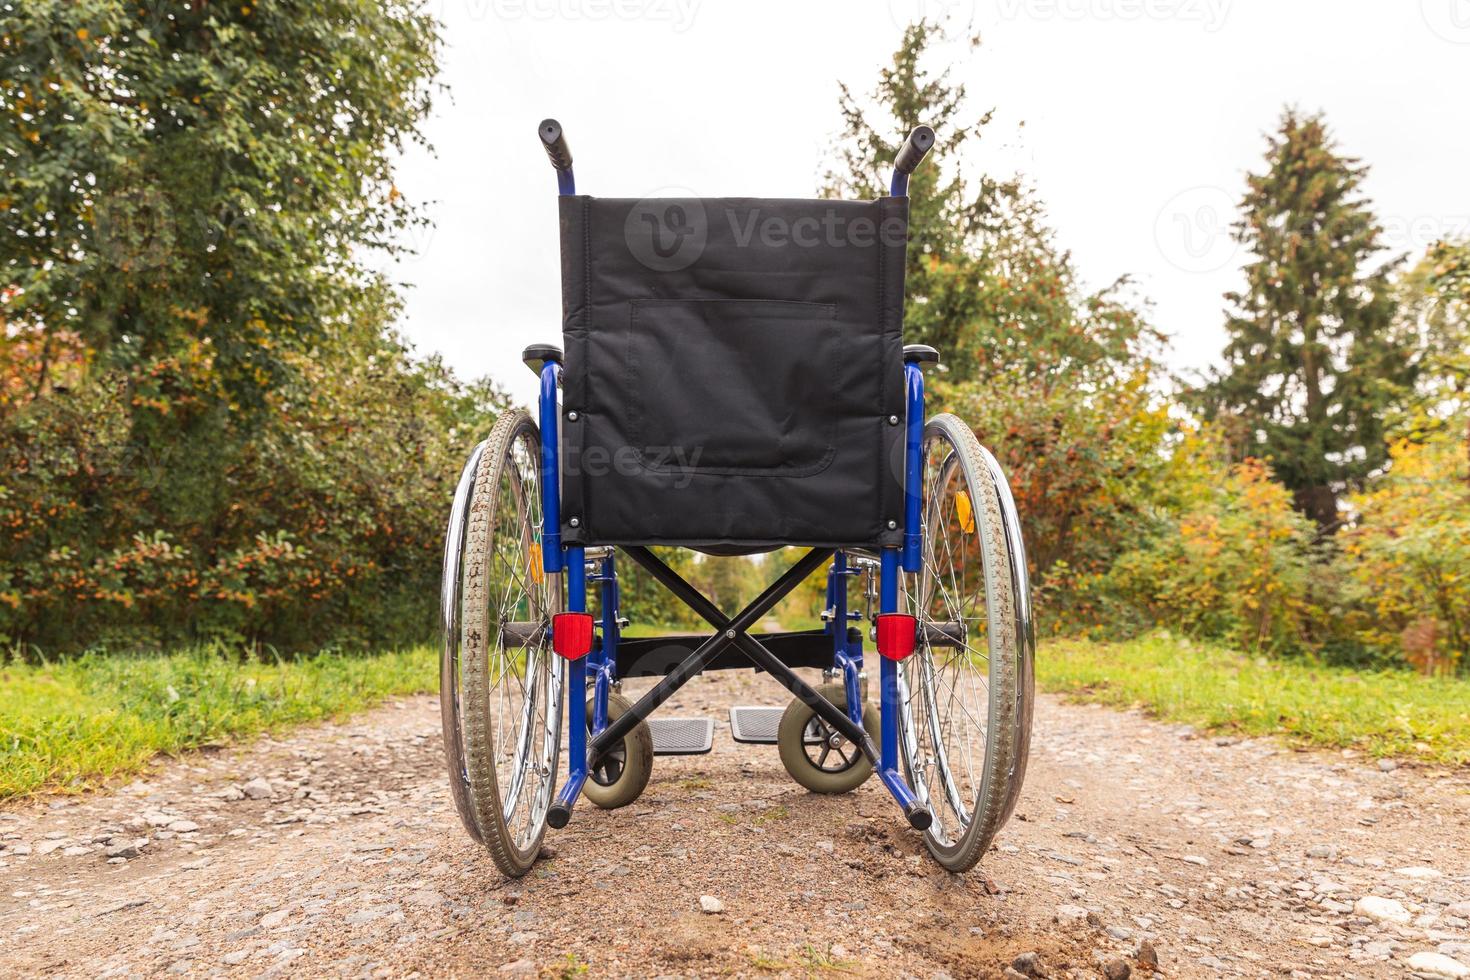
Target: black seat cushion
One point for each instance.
(731, 368)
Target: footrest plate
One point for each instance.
(755, 725)
(682, 736)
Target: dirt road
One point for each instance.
(335, 851)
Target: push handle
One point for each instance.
(914, 149)
(555, 142)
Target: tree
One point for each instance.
(1433, 298)
(207, 427)
(1057, 381)
(200, 172)
(1314, 362)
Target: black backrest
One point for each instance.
(733, 367)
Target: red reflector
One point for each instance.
(571, 634)
(896, 634)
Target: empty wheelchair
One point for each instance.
(734, 380)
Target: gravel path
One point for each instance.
(334, 850)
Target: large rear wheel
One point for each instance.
(501, 686)
(968, 688)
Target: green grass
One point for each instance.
(1380, 713)
(71, 724)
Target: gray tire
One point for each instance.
(803, 741)
(966, 725)
(500, 690)
(620, 777)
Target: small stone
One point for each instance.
(1116, 969)
(519, 967)
(710, 905)
(1382, 910)
(1420, 873)
(825, 846)
(1071, 913)
(1458, 909)
(1195, 859)
(1147, 956)
(1119, 933)
(1438, 965)
(127, 849)
(524, 937)
(1324, 852)
(76, 850)
(1387, 765)
(272, 919)
(47, 846)
(1027, 964)
(183, 826)
(235, 956)
(258, 788)
(20, 849)
(426, 899)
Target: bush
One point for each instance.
(1236, 565)
(317, 521)
(1406, 564)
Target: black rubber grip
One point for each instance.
(914, 149)
(555, 142)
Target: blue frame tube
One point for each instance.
(576, 565)
(842, 652)
(605, 659)
(913, 475)
(888, 694)
(550, 472)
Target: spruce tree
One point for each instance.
(1313, 363)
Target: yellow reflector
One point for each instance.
(964, 511)
(538, 574)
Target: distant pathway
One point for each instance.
(334, 851)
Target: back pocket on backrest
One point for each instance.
(732, 386)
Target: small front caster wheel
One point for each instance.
(621, 775)
(815, 754)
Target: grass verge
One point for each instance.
(1380, 713)
(68, 725)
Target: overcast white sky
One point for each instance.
(1135, 121)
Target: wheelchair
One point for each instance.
(734, 380)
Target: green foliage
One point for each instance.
(1057, 382)
(201, 174)
(1382, 713)
(71, 724)
(1314, 362)
(1406, 563)
(206, 426)
(1233, 563)
(319, 522)
(1433, 298)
